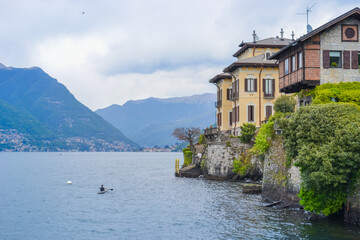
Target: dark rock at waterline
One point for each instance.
(252, 188)
(191, 171)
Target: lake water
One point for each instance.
(147, 202)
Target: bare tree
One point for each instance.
(187, 134)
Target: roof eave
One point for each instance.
(235, 66)
(316, 31)
(218, 78)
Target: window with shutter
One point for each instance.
(234, 115)
(346, 59)
(230, 118)
(250, 113)
(237, 88)
(267, 55)
(238, 114)
(273, 87)
(355, 59)
(335, 59)
(236, 119)
(268, 111)
(326, 59)
(268, 88)
(250, 85)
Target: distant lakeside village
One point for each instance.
(288, 117)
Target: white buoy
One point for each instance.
(69, 182)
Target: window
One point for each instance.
(267, 56)
(219, 119)
(335, 59)
(286, 66)
(269, 87)
(235, 89)
(237, 114)
(250, 85)
(359, 59)
(268, 110)
(228, 94)
(251, 113)
(300, 58)
(230, 118)
(293, 66)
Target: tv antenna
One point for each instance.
(308, 10)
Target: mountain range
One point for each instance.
(151, 121)
(42, 109)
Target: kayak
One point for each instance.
(102, 192)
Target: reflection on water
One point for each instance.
(148, 202)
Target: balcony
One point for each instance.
(235, 95)
(218, 104)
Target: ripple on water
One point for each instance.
(148, 202)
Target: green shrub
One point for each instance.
(348, 92)
(242, 165)
(266, 132)
(285, 104)
(201, 139)
(203, 164)
(228, 144)
(324, 140)
(247, 132)
(187, 156)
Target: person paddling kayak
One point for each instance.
(104, 190)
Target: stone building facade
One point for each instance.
(328, 54)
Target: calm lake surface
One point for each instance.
(147, 202)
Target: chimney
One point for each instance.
(254, 37)
(282, 35)
(292, 36)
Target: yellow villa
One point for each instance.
(224, 100)
(254, 84)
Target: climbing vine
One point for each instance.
(242, 164)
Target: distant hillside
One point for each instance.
(12, 118)
(38, 105)
(151, 121)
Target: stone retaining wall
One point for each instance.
(219, 158)
(279, 181)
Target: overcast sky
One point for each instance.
(110, 51)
